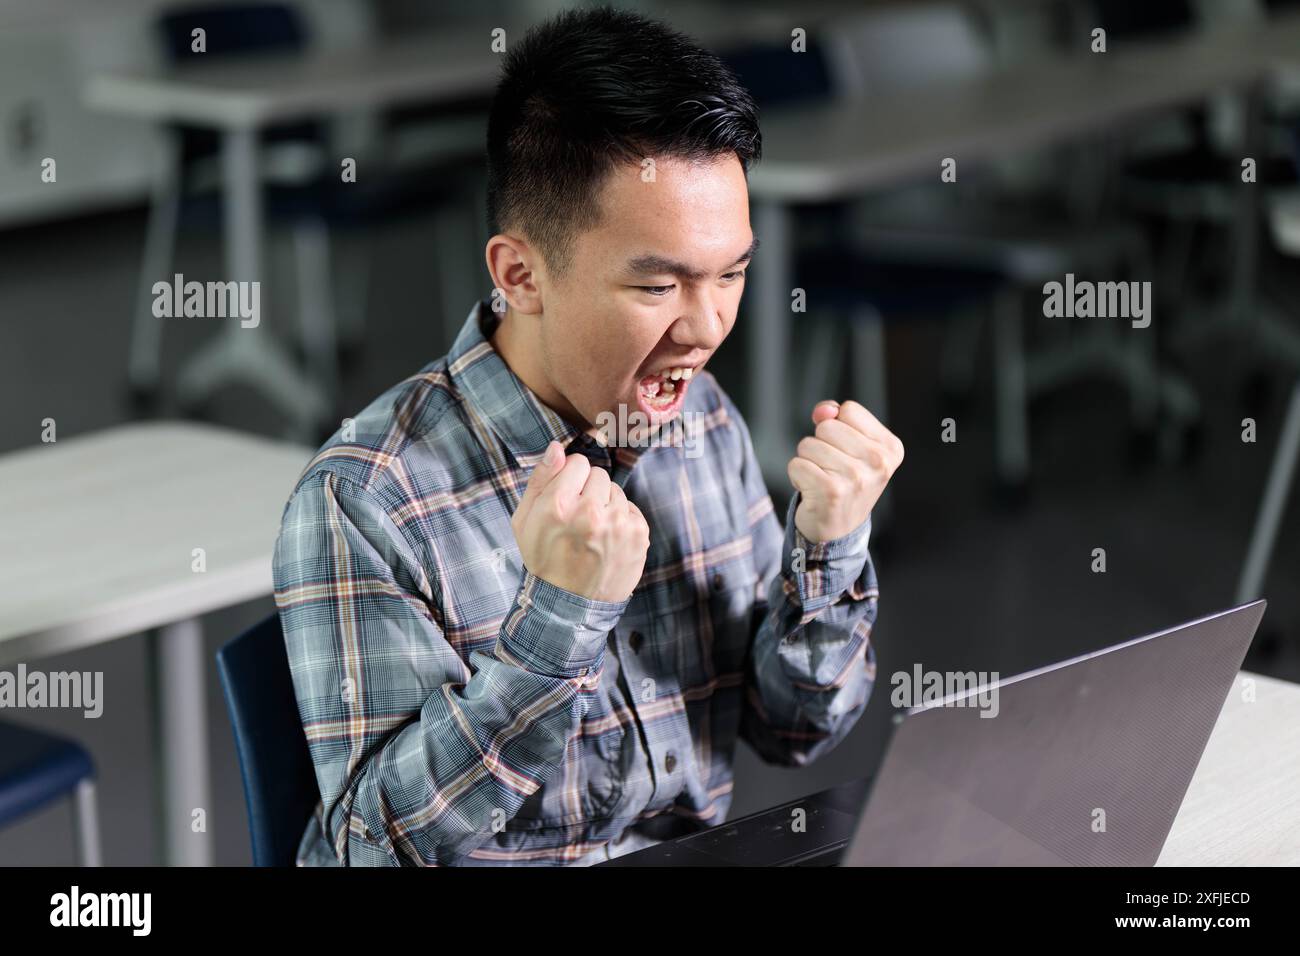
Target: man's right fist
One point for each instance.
(577, 530)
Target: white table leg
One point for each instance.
(180, 669)
(249, 354)
(1273, 506)
(769, 340)
(85, 822)
(1245, 243)
(144, 372)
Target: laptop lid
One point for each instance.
(1081, 763)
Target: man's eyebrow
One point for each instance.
(651, 264)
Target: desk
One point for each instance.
(1242, 807)
(97, 543)
(843, 149)
(238, 98)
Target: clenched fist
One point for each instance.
(841, 470)
(577, 530)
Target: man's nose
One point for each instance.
(701, 326)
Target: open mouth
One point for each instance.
(662, 394)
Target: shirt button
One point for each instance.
(670, 762)
(634, 641)
(719, 582)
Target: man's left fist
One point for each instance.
(841, 470)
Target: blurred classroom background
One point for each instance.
(924, 300)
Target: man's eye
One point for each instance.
(732, 275)
(659, 290)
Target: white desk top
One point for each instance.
(98, 531)
(459, 62)
(847, 147)
(251, 92)
(810, 154)
(1243, 805)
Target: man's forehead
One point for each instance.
(639, 228)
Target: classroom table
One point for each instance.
(242, 96)
(846, 148)
(98, 542)
(1243, 805)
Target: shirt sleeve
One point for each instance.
(811, 665)
(420, 755)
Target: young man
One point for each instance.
(518, 635)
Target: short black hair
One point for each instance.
(588, 90)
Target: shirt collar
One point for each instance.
(513, 411)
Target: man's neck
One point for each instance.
(520, 352)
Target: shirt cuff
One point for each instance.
(556, 632)
(821, 571)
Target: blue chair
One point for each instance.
(37, 768)
(280, 786)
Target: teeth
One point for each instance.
(675, 374)
(670, 386)
(687, 372)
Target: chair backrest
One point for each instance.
(774, 75)
(232, 28)
(279, 780)
(1147, 19)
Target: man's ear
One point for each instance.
(515, 266)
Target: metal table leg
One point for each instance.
(180, 698)
(1273, 506)
(769, 341)
(252, 354)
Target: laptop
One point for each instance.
(1081, 763)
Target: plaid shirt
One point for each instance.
(461, 711)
